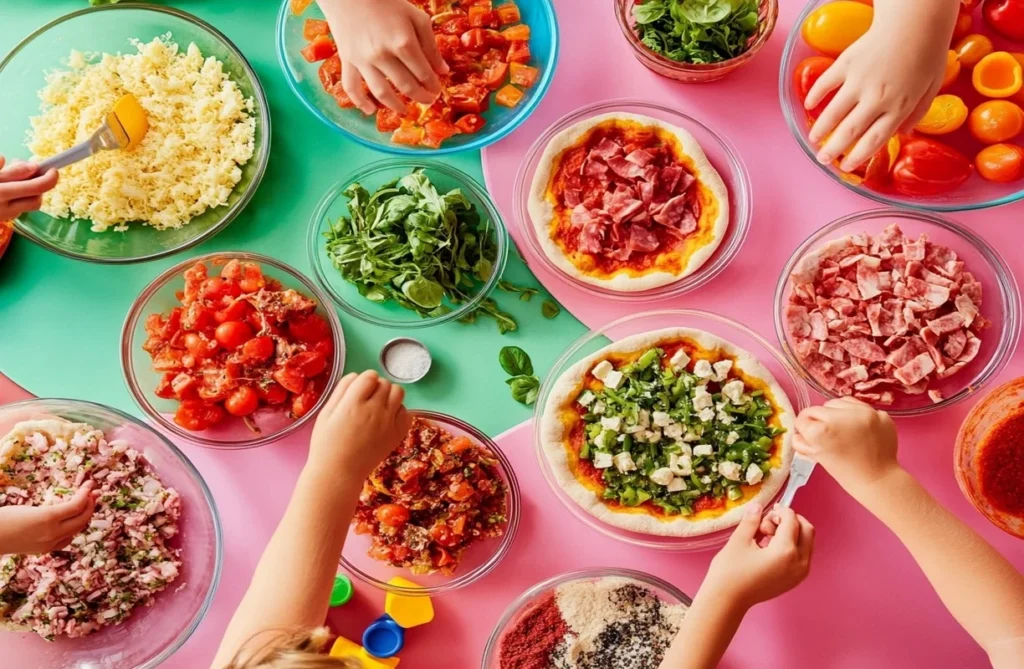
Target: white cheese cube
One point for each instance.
(613, 379)
(661, 419)
(643, 418)
(685, 450)
(703, 450)
(677, 485)
(754, 474)
(587, 398)
(624, 462)
(702, 398)
(722, 368)
(673, 431)
(734, 391)
(652, 436)
(679, 360)
(602, 460)
(705, 415)
(691, 436)
(613, 423)
(635, 429)
(599, 407)
(662, 476)
(724, 418)
(730, 470)
(703, 370)
(681, 465)
(706, 480)
(732, 438)
(601, 369)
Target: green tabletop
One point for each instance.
(60, 320)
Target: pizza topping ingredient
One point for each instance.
(238, 341)
(710, 31)
(871, 316)
(410, 244)
(524, 385)
(407, 360)
(119, 562)
(430, 500)
(1001, 464)
(678, 441)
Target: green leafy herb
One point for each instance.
(696, 31)
(515, 361)
(524, 388)
(410, 244)
(549, 309)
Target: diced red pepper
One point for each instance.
(470, 123)
(409, 135)
(523, 75)
(330, 72)
(455, 26)
(467, 98)
(387, 120)
(509, 96)
(494, 76)
(299, 6)
(482, 17)
(508, 13)
(314, 28)
(437, 131)
(321, 48)
(341, 97)
(519, 33)
(448, 45)
(519, 52)
(474, 40)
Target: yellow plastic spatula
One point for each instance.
(124, 128)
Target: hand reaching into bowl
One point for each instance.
(30, 530)
(390, 45)
(884, 82)
(21, 189)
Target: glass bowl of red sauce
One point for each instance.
(989, 457)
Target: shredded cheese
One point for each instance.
(201, 131)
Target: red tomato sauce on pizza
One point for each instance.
(1001, 465)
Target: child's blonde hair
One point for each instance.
(295, 649)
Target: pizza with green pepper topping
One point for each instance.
(669, 433)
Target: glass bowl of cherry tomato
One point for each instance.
(966, 153)
(502, 55)
(231, 350)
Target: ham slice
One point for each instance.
(592, 237)
(641, 239)
(927, 294)
(625, 169)
(640, 157)
(955, 344)
(605, 149)
(915, 370)
(798, 321)
(819, 327)
(951, 322)
(671, 214)
(966, 308)
(864, 349)
(571, 197)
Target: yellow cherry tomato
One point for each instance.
(833, 27)
(973, 48)
(998, 75)
(996, 121)
(1001, 163)
(946, 114)
(953, 68)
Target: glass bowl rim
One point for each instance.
(786, 99)
(262, 159)
(639, 49)
(1008, 293)
(465, 181)
(727, 250)
(592, 573)
(562, 363)
(540, 91)
(135, 315)
(211, 504)
(507, 539)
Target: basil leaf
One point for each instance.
(649, 12)
(549, 309)
(524, 388)
(515, 361)
(424, 292)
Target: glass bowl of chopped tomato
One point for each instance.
(231, 350)
(951, 162)
(502, 55)
(695, 73)
(989, 457)
(442, 511)
(150, 634)
(960, 273)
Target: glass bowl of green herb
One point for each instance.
(696, 41)
(407, 244)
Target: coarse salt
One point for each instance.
(407, 360)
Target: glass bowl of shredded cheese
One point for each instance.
(197, 167)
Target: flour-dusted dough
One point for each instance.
(542, 209)
(554, 435)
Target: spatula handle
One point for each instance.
(65, 158)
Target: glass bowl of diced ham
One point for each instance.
(907, 311)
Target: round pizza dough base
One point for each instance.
(553, 435)
(542, 212)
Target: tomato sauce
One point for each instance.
(1001, 465)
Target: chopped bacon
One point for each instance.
(864, 348)
(951, 322)
(819, 328)
(642, 240)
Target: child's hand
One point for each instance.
(382, 41)
(886, 80)
(43, 529)
(746, 574)
(852, 441)
(362, 422)
(18, 192)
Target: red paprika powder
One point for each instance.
(530, 643)
(1001, 465)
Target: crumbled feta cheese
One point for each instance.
(662, 476)
(680, 465)
(705, 415)
(732, 438)
(702, 398)
(684, 449)
(730, 470)
(601, 369)
(587, 398)
(643, 417)
(661, 418)
(602, 460)
(635, 429)
(734, 391)
(613, 380)
(679, 360)
(703, 450)
(703, 370)
(673, 431)
(624, 462)
(724, 418)
(722, 368)
(754, 474)
(706, 480)
(691, 436)
(652, 436)
(599, 407)
(621, 438)
(677, 485)
(613, 423)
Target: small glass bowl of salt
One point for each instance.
(405, 360)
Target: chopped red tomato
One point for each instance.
(314, 28)
(409, 135)
(272, 393)
(448, 45)
(319, 49)
(474, 40)
(523, 75)
(388, 120)
(494, 76)
(509, 96)
(457, 445)
(341, 97)
(460, 491)
(467, 98)
(330, 72)
(470, 123)
(436, 132)
(299, 6)
(290, 378)
(304, 402)
(519, 33)
(508, 13)
(392, 515)
(410, 469)
(519, 52)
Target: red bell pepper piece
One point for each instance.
(928, 167)
(1006, 17)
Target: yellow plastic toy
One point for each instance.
(346, 649)
(406, 610)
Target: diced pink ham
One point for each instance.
(915, 370)
(640, 157)
(642, 240)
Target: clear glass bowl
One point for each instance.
(664, 590)
(720, 152)
(334, 205)
(108, 28)
(304, 80)
(691, 73)
(479, 559)
(1001, 301)
(986, 414)
(141, 379)
(151, 634)
(720, 326)
(976, 193)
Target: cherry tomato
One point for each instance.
(392, 515)
(236, 311)
(1001, 163)
(973, 48)
(191, 415)
(308, 363)
(928, 167)
(291, 379)
(232, 334)
(460, 491)
(443, 535)
(272, 393)
(410, 469)
(257, 349)
(458, 445)
(304, 402)
(199, 346)
(807, 72)
(242, 401)
(996, 121)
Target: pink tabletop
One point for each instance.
(865, 603)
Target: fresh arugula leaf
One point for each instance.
(515, 361)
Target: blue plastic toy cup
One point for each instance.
(384, 637)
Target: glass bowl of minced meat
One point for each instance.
(589, 618)
(199, 163)
(130, 588)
